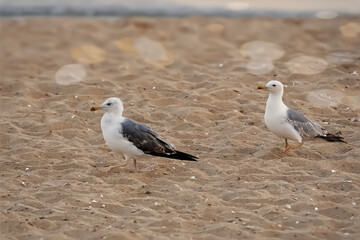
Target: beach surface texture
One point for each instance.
(194, 81)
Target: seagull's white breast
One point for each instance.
(275, 120)
(112, 133)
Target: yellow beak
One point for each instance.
(261, 87)
(93, 109)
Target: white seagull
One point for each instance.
(289, 124)
(133, 139)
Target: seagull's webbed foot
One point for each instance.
(107, 169)
(290, 147)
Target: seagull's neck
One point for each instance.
(275, 101)
(115, 113)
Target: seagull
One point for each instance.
(289, 124)
(133, 139)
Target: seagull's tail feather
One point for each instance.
(332, 138)
(177, 155)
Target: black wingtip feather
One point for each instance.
(332, 138)
(178, 155)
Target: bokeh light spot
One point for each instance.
(306, 65)
(70, 74)
(260, 66)
(126, 45)
(326, 14)
(88, 54)
(325, 97)
(351, 29)
(261, 49)
(340, 57)
(149, 50)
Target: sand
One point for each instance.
(195, 83)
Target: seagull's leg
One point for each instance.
(286, 144)
(135, 164)
(107, 169)
(290, 147)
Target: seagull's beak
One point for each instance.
(261, 87)
(93, 109)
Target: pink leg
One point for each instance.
(290, 147)
(135, 164)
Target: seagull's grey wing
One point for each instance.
(144, 138)
(303, 125)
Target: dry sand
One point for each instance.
(205, 103)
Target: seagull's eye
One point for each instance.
(274, 85)
(109, 104)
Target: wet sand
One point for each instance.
(194, 81)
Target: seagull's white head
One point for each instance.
(111, 105)
(275, 87)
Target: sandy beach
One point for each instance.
(194, 81)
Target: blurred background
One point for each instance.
(280, 8)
